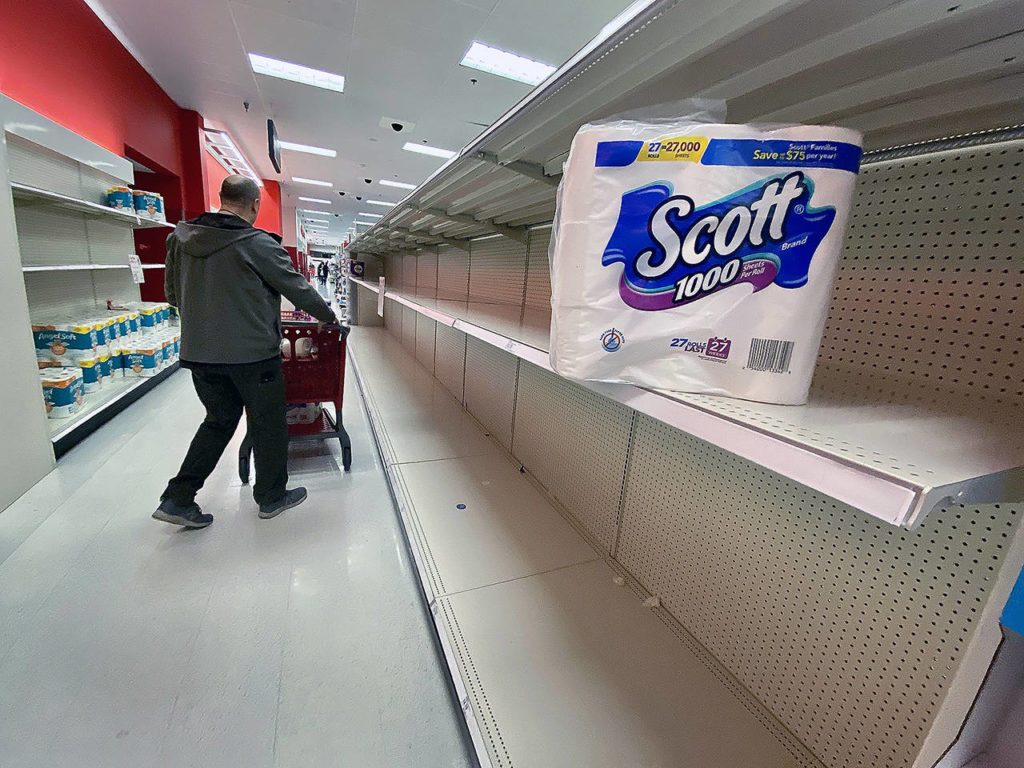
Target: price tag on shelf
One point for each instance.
(380, 298)
(136, 264)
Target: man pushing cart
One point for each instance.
(226, 277)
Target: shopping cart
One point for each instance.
(314, 372)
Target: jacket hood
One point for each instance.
(211, 233)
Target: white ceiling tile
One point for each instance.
(400, 58)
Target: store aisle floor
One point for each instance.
(297, 641)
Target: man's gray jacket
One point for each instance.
(227, 277)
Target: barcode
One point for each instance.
(770, 355)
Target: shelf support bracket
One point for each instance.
(519, 234)
(454, 242)
(523, 168)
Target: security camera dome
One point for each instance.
(397, 126)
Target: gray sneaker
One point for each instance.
(291, 498)
(190, 517)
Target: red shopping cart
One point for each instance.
(314, 372)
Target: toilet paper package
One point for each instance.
(92, 373)
(148, 204)
(63, 392)
(63, 344)
(698, 256)
(143, 361)
(116, 363)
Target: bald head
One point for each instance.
(239, 190)
(240, 195)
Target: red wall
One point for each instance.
(59, 59)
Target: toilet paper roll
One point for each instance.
(699, 257)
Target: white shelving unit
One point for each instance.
(27, 194)
(894, 462)
(844, 562)
(71, 252)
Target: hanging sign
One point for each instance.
(136, 266)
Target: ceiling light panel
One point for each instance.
(397, 184)
(300, 180)
(296, 73)
(315, 200)
(380, 202)
(371, 215)
(506, 64)
(226, 152)
(306, 148)
(425, 149)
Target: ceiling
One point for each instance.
(400, 59)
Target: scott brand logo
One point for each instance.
(674, 252)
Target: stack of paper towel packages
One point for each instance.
(697, 256)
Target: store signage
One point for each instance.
(138, 275)
(380, 298)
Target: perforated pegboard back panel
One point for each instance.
(575, 443)
(409, 272)
(425, 330)
(393, 317)
(450, 359)
(452, 273)
(409, 318)
(538, 271)
(927, 301)
(393, 270)
(497, 271)
(849, 630)
(491, 388)
(426, 273)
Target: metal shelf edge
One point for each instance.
(26, 192)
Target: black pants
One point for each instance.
(224, 390)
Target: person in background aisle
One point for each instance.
(226, 278)
(321, 273)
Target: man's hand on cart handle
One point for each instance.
(320, 325)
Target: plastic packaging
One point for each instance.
(63, 392)
(696, 256)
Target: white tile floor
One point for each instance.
(298, 641)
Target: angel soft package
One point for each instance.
(699, 257)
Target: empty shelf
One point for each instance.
(895, 462)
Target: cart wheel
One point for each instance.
(346, 458)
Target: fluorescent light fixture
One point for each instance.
(506, 64)
(286, 70)
(371, 215)
(424, 149)
(300, 180)
(315, 200)
(316, 221)
(380, 202)
(308, 149)
(223, 148)
(397, 184)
